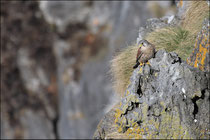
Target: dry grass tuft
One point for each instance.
(122, 67)
(194, 16)
(173, 39)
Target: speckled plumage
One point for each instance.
(145, 52)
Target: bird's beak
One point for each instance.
(140, 45)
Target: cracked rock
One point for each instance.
(165, 99)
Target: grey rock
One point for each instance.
(36, 125)
(165, 87)
(156, 23)
(7, 131)
(78, 116)
(196, 59)
(115, 21)
(27, 76)
(35, 79)
(63, 12)
(169, 80)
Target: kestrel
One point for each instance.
(145, 52)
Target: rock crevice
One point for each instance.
(165, 99)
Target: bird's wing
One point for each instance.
(139, 54)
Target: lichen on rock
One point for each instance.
(200, 55)
(164, 100)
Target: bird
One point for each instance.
(145, 52)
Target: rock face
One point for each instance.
(28, 87)
(165, 99)
(200, 55)
(51, 51)
(88, 34)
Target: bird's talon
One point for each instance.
(141, 64)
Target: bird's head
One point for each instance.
(143, 43)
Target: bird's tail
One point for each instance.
(135, 66)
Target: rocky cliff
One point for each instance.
(55, 56)
(169, 97)
(55, 61)
(165, 99)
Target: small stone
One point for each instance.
(183, 90)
